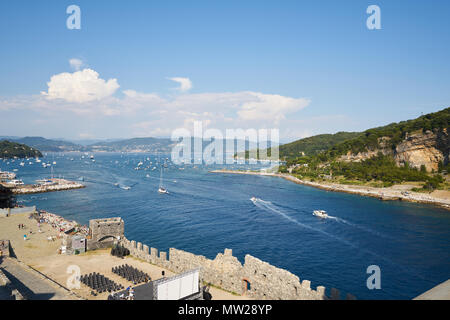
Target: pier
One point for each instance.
(53, 185)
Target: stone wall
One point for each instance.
(11, 292)
(4, 248)
(9, 211)
(104, 232)
(257, 279)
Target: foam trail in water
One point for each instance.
(268, 206)
(359, 227)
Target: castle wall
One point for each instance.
(257, 279)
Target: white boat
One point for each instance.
(161, 189)
(253, 199)
(22, 164)
(126, 188)
(16, 182)
(45, 182)
(320, 213)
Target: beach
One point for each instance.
(397, 192)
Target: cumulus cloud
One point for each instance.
(185, 83)
(83, 95)
(76, 64)
(270, 106)
(80, 86)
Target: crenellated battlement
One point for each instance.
(256, 278)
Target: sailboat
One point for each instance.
(161, 189)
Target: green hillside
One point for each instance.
(313, 145)
(12, 149)
(369, 139)
(380, 170)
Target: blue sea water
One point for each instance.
(207, 212)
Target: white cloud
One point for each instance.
(76, 64)
(80, 86)
(185, 83)
(83, 96)
(270, 107)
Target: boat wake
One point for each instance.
(340, 220)
(270, 207)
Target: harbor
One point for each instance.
(9, 181)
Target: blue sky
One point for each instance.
(306, 67)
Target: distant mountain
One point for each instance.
(149, 144)
(163, 145)
(87, 142)
(48, 145)
(10, 149)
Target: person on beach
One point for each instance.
(25, 237)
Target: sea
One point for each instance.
(206, 212)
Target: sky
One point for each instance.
(146, 68)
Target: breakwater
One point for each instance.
(59, 185)
(255, 278)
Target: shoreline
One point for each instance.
(385, 194)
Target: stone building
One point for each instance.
(103, 233)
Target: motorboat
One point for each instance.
(163, 190)
(320, 213)
(16, 182)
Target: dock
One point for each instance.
(55, 185)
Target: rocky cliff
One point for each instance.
(417, 149)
